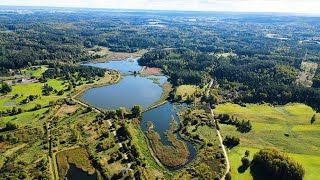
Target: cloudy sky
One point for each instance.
(296, 6)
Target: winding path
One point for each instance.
(220, 137)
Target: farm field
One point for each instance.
(269, 126)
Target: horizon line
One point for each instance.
(177, 10)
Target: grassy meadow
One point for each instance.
(35, 71)
(286, 128)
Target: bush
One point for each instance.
(247, 153)
(228, 176)
(5, 88)
(231, 141)
(11, 126)
(245, 161)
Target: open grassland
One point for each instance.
(23, 91)
(28, 118)
(185, 90)
(78, 157)
(286, 128)
(35, 70)
(27, 89)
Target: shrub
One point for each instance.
(245, 161)
(231, 141)
(228, 176)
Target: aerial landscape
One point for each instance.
(154, 93)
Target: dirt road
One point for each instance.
(220, 137)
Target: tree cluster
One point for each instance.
(272, 164)
(242, 126)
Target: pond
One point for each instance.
(75, 173)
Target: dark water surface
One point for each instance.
(75, 173)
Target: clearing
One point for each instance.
(306, 74)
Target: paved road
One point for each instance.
(220, 137)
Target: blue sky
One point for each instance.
(296, 6)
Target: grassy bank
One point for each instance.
(153, 168)
(166, 89)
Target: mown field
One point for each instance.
(287, 128)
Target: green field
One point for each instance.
(27, 118)
(35, 70)
(26, 89)
(270, 124)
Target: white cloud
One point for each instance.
(298, 6)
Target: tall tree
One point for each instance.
(136, 110)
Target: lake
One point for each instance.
(124, 66)
(132, 90)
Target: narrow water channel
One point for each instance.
(139, 90)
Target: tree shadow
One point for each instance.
(242, 169)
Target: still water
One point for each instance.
(124, 66)
(132, 90)
(161, 118)
(75, 173)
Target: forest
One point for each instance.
(226, 62)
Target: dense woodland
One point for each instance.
(253, 79)
(251, 58)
